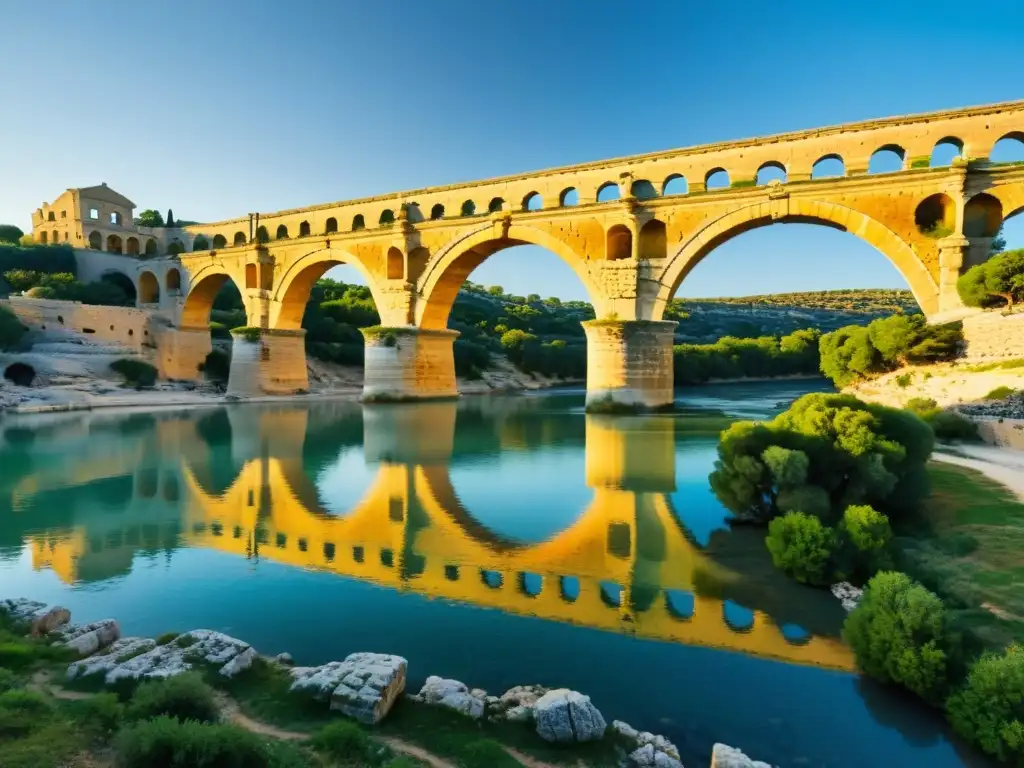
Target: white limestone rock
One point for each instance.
(519, 700)
(724, 756)
(565, 716)
(21, 609)
(284, 658)
(43, 619)
(115, 654)
(847, 594)
(649, 746)
(87, 639)
(240, 663)
(363, 686)
(520, 714)
(454, 695)
(649, 757)
(625, 730)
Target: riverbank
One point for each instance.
(225, 680)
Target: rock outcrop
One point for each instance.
(454, 695)
(87, 639)
(724, 756)
(650, 750)
(565, 716)
(363, 686)
(847, 594)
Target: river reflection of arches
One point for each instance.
(397, 495)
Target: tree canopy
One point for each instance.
(149, 218)
(825, 453)
(998, 281)
(10, 234)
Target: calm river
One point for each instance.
(500, 541)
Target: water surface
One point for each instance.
(499, 541)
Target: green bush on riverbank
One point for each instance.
(732, 358)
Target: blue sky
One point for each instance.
(217, 108)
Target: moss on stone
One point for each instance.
(247, 333)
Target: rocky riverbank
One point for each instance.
(363, 686)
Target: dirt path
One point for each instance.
(41, 683)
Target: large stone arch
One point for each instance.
(291, 291)
(448, 268)
(700, 244)
(1011, 196)
(202, 289)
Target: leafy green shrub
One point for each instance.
(998, 281)
(8, 680)
(904, 380)
(249, 333)
(899, 634)
(864, 536)
(921, 405)
(1000, 393)
(184, 697)
(11, 329)
(102, 713)
(344, 741)
(164, 741)
(734, 358)
(801, 547)
(485, 753)
(835, 451)
(37, 258)
(219, 330)
(989, 708)
(136, 373)
(10, 234)
(21, 711)
(950, 425)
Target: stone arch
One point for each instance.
(395, 264)
(772, 170)
(451, 265)
(282, 232)
(291, 292)
(44, 237)
(468, 208)
(203, 289)
(358, 222)
(151, 247)
(239, 238)
(175, 247)
(675, 184)
(173, 280)
(642, 189)
(983, 215)
(946, 150)
(114, 244)
(607, 192)
(149, 288)
(437, 212)
(131, 246)
(20, 374)
(532, 201)
(653, 240)
(717, 178)
(568, 196)
(1011, 197)
(690, 253)
(304, 229)
(496, 204)
(95, 240)
(387, 216)
(618, 243)
(330, 226)
(219, 241)
(888, 159)
(262, 235)
(200, 243)
(830, 166)
(122, 281)
(1008, 148)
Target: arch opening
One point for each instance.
(219, 241)
(175, 247)
(331, 226)
(123, 283)
(95, 240)
(200, 244)
(531, 584)
(395, 264)
(304, 229)
(770, 171)
(888, 159)
(114, 244)
(653, 240)
(20, 374)
(492, 579)
(737, 617)
(1009, 149)
(240, 238)
(533, 202)
(282, 232)
(299, 283)
(131, 246)
(468, 208)
(607, 192)
(173, 280)
(611, 593)
(437, 212)
(716, 178)
(642, 189)
(945, 151)
(675, 185)
(828, 167)
(680, 604)
(215, 292)
(983, 216)
(496, 204)
(262, 235)
(935, 216)
(149, 288)
(569, 588)
(568, 197)
(618, 243)
(387, 217)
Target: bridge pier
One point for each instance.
(265, 361)
(406, 363)
(629, 365)
(182, 352)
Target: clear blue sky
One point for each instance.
(218, 108)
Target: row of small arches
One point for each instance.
(129, 245)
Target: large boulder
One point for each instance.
(454, 695)
(363, 686)
(21, 609)
(87, 639)
(41, 619)
(651, 749)
(649, 757)
(847, 594)
(565, 716)
(724, 756)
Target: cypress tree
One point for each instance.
(170, 218)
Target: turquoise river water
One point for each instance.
(499, 541)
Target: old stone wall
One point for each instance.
(407, 364)
(275, 364)
(994, 336)
(133, 328)
(629, 363)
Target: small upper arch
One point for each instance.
(533, 202)
(387, 216)
(358, 222)
(468, 208)
(945, 151)
(219, 241)
(200, 243)
(239, 238)
(770, 171)
(828, 167)
(887, 159)
(282, 232)
(1009, 148)
(304, 229)
(716, 178)
(437, 212)
(607, 192)
(642, 189)
(495, 205)
(330, 226)
(674, 184)
(569, 196)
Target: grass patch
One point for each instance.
(262, 692)
(967, 549)
(1000, 393)
(1001, 365)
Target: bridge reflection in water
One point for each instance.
(626, 564)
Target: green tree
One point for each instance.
(1000, 279)
(149, 218)
(801, 547)
(847, 355)
(11, 329)
(496, 290)
(989, 708)
(170, 218)
(863, 542)
(899, 634)
(10, 234)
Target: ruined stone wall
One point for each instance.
(134, 328)
(994, 336)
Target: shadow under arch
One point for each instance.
(695, 248)
(293, 288)
(202, 290)
(448, 270)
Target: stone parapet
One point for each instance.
(267, 362)
(629, 364)
(406, 363)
